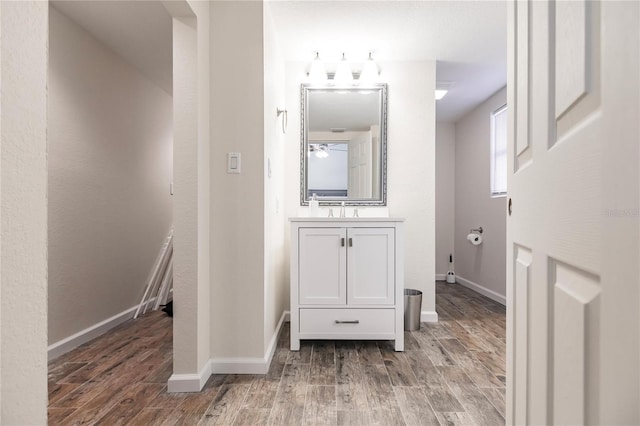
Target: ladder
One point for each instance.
(160, 282)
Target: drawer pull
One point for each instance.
(348, 322)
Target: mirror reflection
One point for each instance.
(343, 150)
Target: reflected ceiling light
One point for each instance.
(369, 73)
(440, 93)
(322, 153)
(320, 150)
(344, 76)
(317, 73)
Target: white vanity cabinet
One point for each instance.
(347, 279)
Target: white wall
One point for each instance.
(411, 163)
(110, 166)
(243, 296)
(445, 196)
(238, 200)
(191, 320)
(23, 202)
(276, 289)
(481, 267)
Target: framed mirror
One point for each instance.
(343, 145)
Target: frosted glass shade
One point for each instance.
(344, 76)
(369, 73)
(317, 73)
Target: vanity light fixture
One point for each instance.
(440, 93)
(344, 76)
(317, 73)
(369, 73)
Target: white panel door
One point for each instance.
(322, 266)
(371, 266)
(360, 167)
(572, 231)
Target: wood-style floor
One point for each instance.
(452, 372)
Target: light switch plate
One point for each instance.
(233, 162)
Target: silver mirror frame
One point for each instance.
(304, 118)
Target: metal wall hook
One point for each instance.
(477, 230)
(285, 120)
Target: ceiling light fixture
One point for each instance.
(369, 73)
(322, 154)
(317, 73)
(440, 93)
(344, 76)
(320, 150)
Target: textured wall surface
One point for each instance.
(276, 288)
(238, 212)
(445, 194)
(191, 321)
(23, 201)
(110, 142)
(484, 265)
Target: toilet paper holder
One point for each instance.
(477, 230)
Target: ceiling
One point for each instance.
(139, 31)
(355, 111)
(467, 38)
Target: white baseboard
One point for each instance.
(441, 277)
(428, 316)
(83, 336)
(250, 365)
(195, 382)
(239, 366)
(189, 382)
(482, 290)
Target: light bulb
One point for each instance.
(344, 76)
(369, 73)
(317, 73)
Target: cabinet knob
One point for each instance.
(341, 242)
(348, 322)
(350, 242)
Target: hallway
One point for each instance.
(452, 372)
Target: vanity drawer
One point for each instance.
(347, 323)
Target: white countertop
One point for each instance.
(346, 219)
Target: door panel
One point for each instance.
(573, 156)
(576, 340)
(577, 63)
(571, 53)
(322, 266)
(521, 81)
(522, 269)
(371, 266)
(360, 166)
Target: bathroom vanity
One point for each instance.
(347, 279)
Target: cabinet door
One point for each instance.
(322, 266)
(371, 266)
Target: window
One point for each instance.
(499, 152)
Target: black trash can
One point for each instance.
(412, 309)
